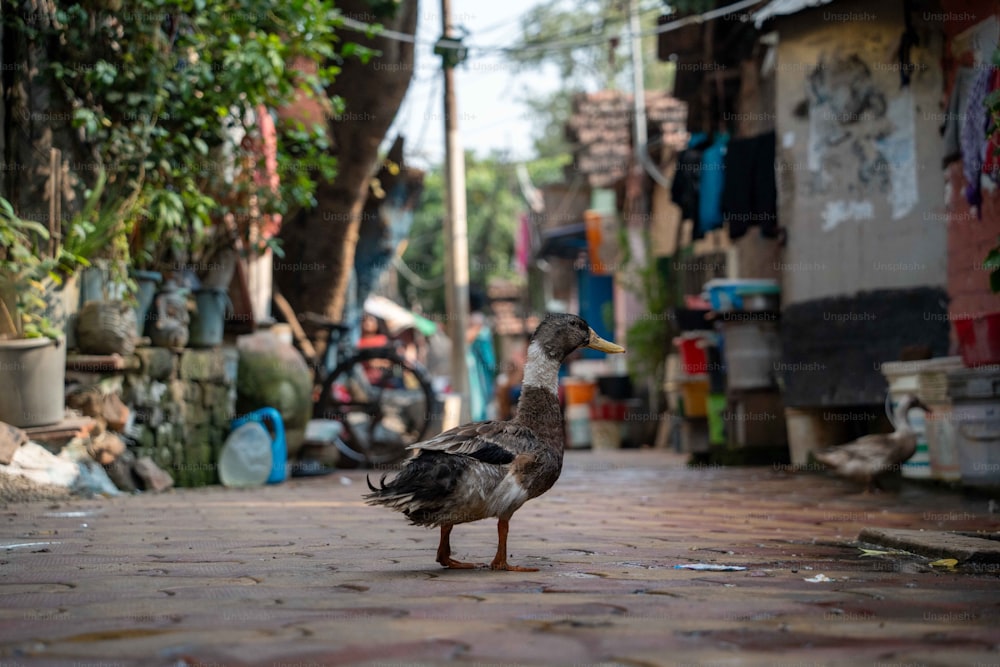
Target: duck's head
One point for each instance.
(909, 401)
(560, 334)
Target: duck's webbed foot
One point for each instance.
(500, 561)
(444, 553)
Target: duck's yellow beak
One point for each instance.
(598, 343)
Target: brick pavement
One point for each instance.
(305, 574)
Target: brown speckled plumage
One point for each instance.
(489, 469)
(871, 457)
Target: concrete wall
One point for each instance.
(860, 184)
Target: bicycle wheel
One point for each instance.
(384, 402)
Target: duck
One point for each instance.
(489, 469)
(870, 457)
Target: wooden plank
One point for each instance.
(101, 363)
(68, 428)
(300, 334)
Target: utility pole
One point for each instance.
(456, 239)
(639, 99)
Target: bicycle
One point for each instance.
(383, 401)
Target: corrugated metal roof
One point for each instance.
(783, 8)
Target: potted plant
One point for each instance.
(96, 238)
(32, 350)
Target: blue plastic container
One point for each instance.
(755, 295)
(279, 448)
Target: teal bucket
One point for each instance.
(148, 283)
(209, 319)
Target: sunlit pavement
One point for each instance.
(305, 574)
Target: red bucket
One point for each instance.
(694, 358)
(979, 339)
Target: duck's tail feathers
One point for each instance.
(381, 483)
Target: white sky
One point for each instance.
(490, 115)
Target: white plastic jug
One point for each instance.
(246, 456)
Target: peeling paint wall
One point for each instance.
(858, 154)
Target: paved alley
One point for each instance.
(305, 574)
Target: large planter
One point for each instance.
(33, 372)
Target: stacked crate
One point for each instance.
(746, 313)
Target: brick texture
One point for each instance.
(969, 239)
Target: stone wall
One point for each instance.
(183, 404)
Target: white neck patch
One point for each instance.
(541, 370)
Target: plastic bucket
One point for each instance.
(209, 319)
(149, 283)
(694, 357)
(941, 443)
(811, 430)
(975, 395)
(716, 420)
(579, 392)
(578, 426)
(695, 393)
(279, 448)
(742, 294)
(917, 466)
(979, 339)
(752, 350)
(927, 379)
(977, 433)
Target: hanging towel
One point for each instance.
(712, 182)
(750, 195)
(684, 191)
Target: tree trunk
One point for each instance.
(35, 117)
(319, 243)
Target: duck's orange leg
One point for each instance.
(500, 562)
(444, 552)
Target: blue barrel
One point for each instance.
(279, 448)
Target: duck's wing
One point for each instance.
(870, 450)
(490, 441)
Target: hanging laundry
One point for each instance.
(951, 129)
(750, 195)
(973, 136)
(712, 182)
(991, 156)
(684, 191)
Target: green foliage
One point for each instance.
(165, 91)
(493, 208)
(549, 169)
(648, 337)
(24, 265)
(571, 25)
(568, 36)
(992, 264)
(551, 111)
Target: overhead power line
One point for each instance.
(557, 45)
